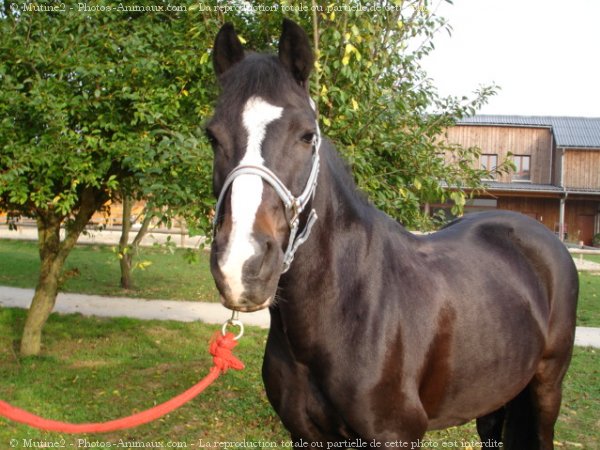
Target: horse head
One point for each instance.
(266, 139)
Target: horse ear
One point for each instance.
(227, 50)
(295, 52)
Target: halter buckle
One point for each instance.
(296, 209)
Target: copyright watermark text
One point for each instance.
(30, 7)
(95, 444)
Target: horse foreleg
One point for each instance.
(490, 427)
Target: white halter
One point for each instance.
(293, 205)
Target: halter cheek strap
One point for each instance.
(293, 205)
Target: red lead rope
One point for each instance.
(220, 347)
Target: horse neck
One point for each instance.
(347, 225)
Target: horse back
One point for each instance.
(526, 246)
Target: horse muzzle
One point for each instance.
(249, 284)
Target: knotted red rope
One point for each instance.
(220, 347)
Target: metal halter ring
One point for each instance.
(234, 322)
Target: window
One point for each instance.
(489, 162)
(522, 164)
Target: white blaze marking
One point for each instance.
(246, 194)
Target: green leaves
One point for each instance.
(92, 101)
(378, 106)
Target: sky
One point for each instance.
(544, 55)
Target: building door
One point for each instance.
(585, 226)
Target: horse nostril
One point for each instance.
(264, 263)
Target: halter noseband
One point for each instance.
(293, 205)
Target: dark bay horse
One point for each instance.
(376, 334)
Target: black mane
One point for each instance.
(345, 183)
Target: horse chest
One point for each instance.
(340, 387)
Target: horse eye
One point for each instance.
(308, 138)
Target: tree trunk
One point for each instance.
(127, 252)
(40, 309)
(53, 254)
(47, 287)
(125, 255)
(125, 263)
(317, 73)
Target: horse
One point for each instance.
(377, 335)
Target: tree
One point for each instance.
(377, 103)
(91, 102)
(167, 198)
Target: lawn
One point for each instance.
(588, 308)
(99, 369)
(593, 258)
(95, 270)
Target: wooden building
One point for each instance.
(557, 176)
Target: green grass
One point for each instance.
(95, 270)
(593, 258)
(100, 369)
(96, 370)
(588, 308)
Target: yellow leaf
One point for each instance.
(354, 105)
(242, 40)
(185, 93)
(332, 16)
(324, 90)
(326, 121)
(348, 50)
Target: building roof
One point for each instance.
(522, 187)
(492, 186)
(569, 132)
